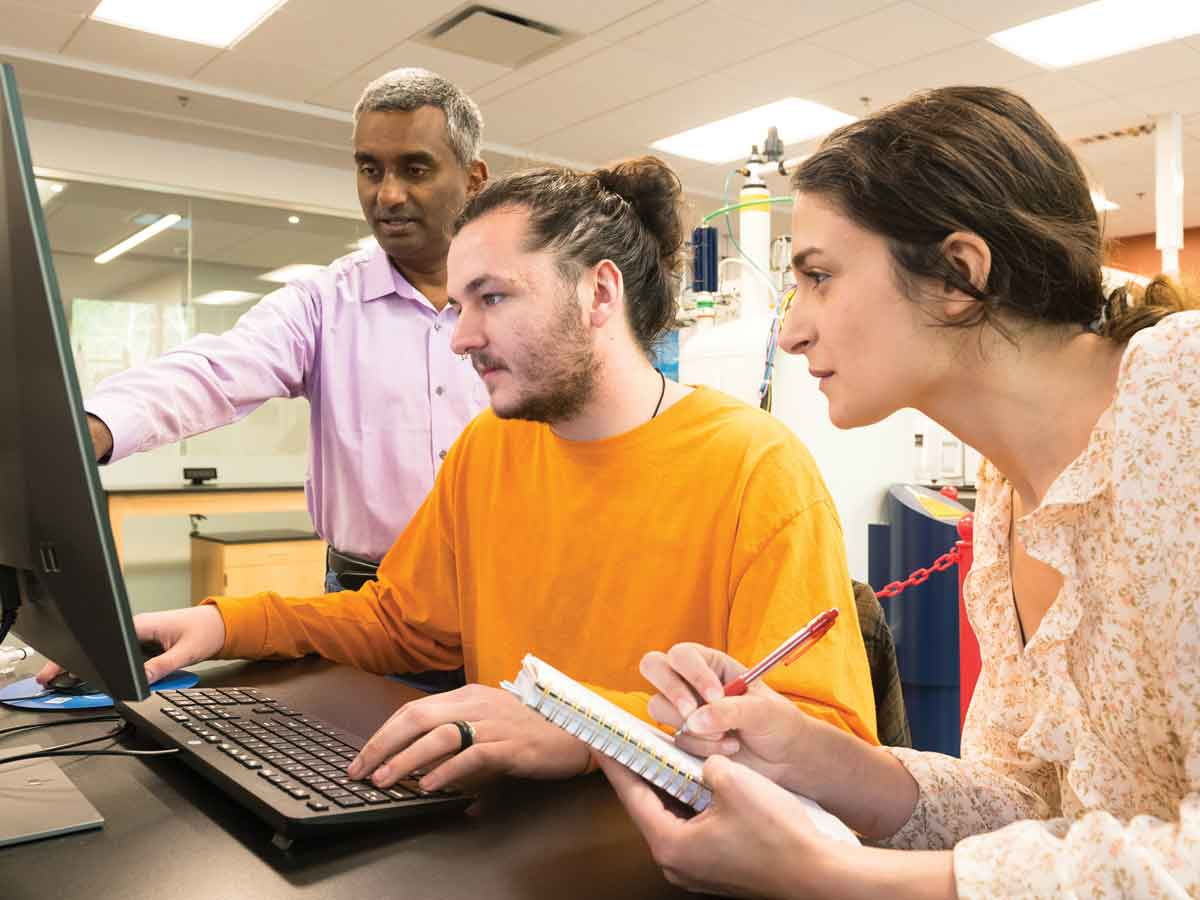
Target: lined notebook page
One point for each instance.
(635, 744)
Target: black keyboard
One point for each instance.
(286, 767)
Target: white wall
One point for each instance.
(191, 168)
(858, 465)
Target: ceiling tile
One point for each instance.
(1050, 91)
(987, 18)
(648, 16)
(705, 34)
(1093, 118)
(131, 49)
(245, 72)
(787, 17)
(894, 35)
(467, 73)
(975, 63)
(1181, 97)
(579, 16)
(464, 71)
(1141, 69)
(340, 37)
(631, 129)
(551, 62)
(1120, 166)
(611, 78)
(797, 69)
(36, 28)
(78, 7)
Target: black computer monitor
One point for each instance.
(58, 567)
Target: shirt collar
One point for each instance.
(382, 279)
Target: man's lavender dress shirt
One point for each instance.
(372, 356)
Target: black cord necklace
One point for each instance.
(662, 393)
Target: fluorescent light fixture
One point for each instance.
(293, 220)
(1102, 203)
(225, 298)
(1099, 30)
(215, 23)
(367, 243)
(151, 218)
(290, 273)
(141, 237)
(730, 138)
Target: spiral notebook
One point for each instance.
(635, 744)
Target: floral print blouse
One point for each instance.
(1080, 769)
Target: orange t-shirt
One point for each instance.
(709, 523)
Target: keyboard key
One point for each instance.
(375, 797)
(317, 805)
(348, 801)
(299, 793)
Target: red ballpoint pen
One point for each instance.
(785, 653)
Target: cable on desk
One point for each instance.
(67, 748)
(36, 725)
(23, 756)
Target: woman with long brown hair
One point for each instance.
(948, 257)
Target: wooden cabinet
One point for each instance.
(238, 563)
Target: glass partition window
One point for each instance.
(142, 271)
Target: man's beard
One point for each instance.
(560, 370)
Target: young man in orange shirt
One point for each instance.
(596, 512)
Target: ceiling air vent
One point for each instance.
(494, 36)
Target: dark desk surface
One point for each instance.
(168, 834)
(216, 487)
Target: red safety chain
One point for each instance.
(941, 564)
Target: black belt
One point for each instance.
(352, 571)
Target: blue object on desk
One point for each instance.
(52, 701)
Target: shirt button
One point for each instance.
(437, 326)
(441, 454)
(439, 390)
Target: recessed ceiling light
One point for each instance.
(140, 237)
(225, 298)
(730, 138)
(215, 23)
(1099, 30)
(293, 220)
(367, 243)
(290, 273)
(1102, 203)
(48, 190)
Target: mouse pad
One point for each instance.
(29, 687)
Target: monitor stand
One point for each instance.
(38, 800)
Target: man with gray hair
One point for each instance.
(366, 340)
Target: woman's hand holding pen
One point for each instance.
(760, 729)
(864, 786)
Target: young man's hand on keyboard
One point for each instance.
(186, 635)
(509, 739)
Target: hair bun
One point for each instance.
(654, 192)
